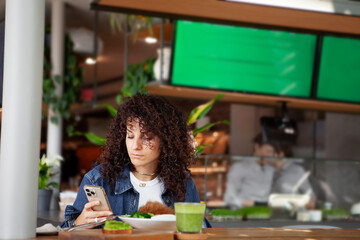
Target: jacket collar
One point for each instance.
(123, 183)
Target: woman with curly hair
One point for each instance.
(146, 158)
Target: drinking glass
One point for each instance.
(189, 216)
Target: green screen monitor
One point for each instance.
(243, 59)
(339, 71)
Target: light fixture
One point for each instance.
(150, 40)
(282, 130)
(83, 40)
(90, 61)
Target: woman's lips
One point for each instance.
(136, 155)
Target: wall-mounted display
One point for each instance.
(339, 72)
(243, 59)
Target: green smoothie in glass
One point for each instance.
(189, 216)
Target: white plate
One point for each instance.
(47, 229)
(285, 200)
(158, 223)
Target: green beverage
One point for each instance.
(189, 217)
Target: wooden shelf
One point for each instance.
(232, 13)
(208, 170)
(244, 98)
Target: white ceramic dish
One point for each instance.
(355, 209)
(288, 200)
(158, 222)
(47, 229)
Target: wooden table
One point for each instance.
(281, 233)
(240, 233)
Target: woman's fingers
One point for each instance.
(88, 215)
(88, 206)
(98, 214)
(99, 219)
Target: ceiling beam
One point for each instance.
(242, 14)
(246, 98)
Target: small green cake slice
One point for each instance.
(114, 227)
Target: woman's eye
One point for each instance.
(130, 137)
(147, 139)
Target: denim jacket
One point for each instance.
(124, 199)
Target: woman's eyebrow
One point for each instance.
(129, 130)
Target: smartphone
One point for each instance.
(97, 193)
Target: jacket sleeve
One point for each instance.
(73, 211)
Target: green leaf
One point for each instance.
(226, 122)
(149, 27)
(119, 100)
(100, 141)
(112, 22)
(203, 128)
(126, 93)
(57, 78)
(111, 109)
(71, 61)
(70, 130)
(54, 120)
(53, 184)
(202, 110)
(77, 133)
(118, 21)
(66, 115)
(201, 148)
(207, 126)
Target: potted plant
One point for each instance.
(72, 80)
(46, 171)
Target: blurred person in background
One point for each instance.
(249, 181)
(290, 177)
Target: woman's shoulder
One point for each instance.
(190, 184)
(94, 175)
(191, 194)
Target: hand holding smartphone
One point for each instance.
(97, 193)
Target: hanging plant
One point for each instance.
(73, 76)
(135, 23)
(137, 77)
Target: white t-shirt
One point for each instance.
(148, 190)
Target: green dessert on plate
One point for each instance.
(115, 227)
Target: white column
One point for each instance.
(54, 131)
(21, 117)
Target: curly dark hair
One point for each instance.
(158, 117)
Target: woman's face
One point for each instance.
(143, 150)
